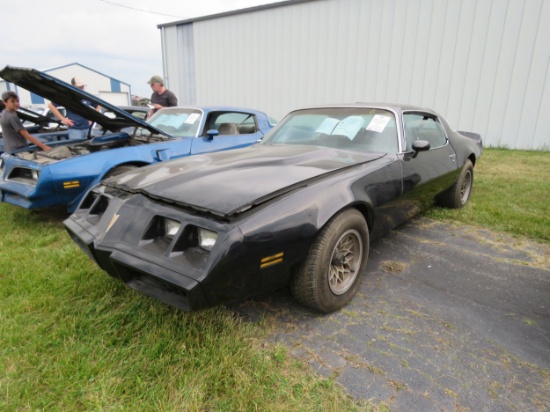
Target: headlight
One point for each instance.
(24, 174)
(207, 239)
(171, 227)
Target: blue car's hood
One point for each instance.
(227, 183)
(71, 98)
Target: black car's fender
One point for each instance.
(276, 236)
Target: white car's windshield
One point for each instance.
(361, 129)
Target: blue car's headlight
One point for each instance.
(24, 175)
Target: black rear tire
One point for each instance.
(458, 194)
(330, 275)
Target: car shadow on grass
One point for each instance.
(52, 215)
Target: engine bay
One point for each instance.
(96, 144)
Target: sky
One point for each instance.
(118, 38)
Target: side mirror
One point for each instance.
(212, 133)
(420, 146)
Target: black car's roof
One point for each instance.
(395, 107)
(71, 98)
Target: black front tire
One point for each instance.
(458, 194)
(330, 275)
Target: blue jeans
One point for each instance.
(78, 133)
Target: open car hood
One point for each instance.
(228, 183)
(71, 98)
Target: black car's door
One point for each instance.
(431, 171)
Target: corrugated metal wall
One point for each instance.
(484, 65)
(172, 54)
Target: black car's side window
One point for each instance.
(232, 123)
(421, 126)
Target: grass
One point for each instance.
(511, 194)
(73, 339)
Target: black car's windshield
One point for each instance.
(177, 122)
(361, 129)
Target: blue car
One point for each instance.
(35, 179)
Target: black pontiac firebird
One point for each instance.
(298, 208)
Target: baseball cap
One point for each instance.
(156, 79)
(8, 94)
(75, 81)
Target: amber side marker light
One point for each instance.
(271, 260)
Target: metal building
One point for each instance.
(99, 84)
(484, 65)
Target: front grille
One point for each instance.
(153, 286)
(98, 208)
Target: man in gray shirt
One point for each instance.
(14, 133)
(161, 97)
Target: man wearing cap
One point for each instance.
(14, 134)
(78, 125)
(161, 97)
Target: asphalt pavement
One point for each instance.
(448, 318)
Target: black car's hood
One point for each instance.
(71, 98)
(226, 183)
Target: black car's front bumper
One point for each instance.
(115, 243)
(165, 285)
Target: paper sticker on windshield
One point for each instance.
(345, 127)
(167, 120)
(192, 118)
(349, 126)
(327, 126)
(378, 123)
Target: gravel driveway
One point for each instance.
(448, 318)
